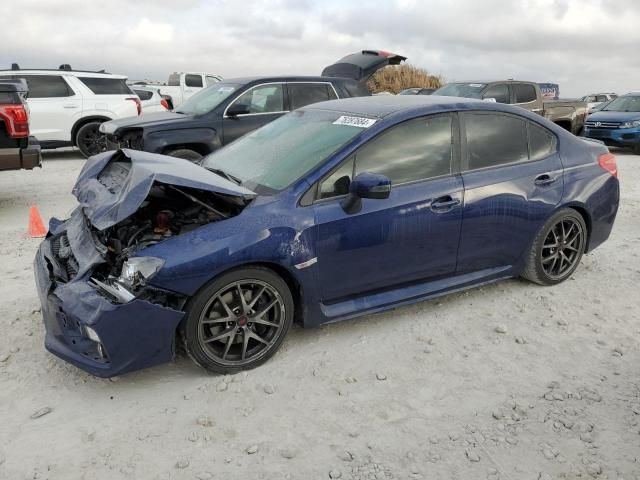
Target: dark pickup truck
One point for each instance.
(17, 149)
(232, 108)
(569, 114)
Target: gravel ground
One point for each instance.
(511, 381)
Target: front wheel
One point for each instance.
(238, 321)
(89, 139)
(557, 249)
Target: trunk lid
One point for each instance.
(113, 185)
(361, 65)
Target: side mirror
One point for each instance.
(366, 185)
(238, 109)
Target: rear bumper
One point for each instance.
(131, 336)
(26, 158)
(614, 137)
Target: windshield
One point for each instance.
(207, 99)
(468, 90)
(630, 103)
(273, 157)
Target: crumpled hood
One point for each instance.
(113, 185)
(144, 120)
(603, 116)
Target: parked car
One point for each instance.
(618, 123)
(316, 217)
(67, 106)
(596, 99)
(417, 91)
(230, 109)
(150, 99)
(569, 114)
(183, 85)
(17, 149)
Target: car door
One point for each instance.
(53, 105)
(410, 236)
(512, 176)
(499, 92)
(258, 106)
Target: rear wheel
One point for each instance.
(238, 321)
(185, 153)
(89, 140)
(557, 249)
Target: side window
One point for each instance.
(542, 142)
(193, 80)
(601, 98)
(591, 99)
(106, 86)
(495, 140)
(302, 94)
(263, 99)
(500, 92)
(415, 150)
(211, 80)
(144, 94)
(338, 182)
(524, 92)
(47, 86)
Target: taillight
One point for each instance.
(607, 161)
(137, 102)
(16, 119)
(165, 104)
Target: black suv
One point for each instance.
(232, 108)
(17, 149)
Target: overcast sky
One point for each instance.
(584, 45)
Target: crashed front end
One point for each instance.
(101, 311)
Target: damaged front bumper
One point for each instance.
(83, 326)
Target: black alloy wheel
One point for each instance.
(89, 139)
(238, 321)
(557, 249)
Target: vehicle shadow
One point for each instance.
(62, 154)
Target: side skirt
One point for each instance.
(389, 299)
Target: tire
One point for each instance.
(244, 334)
(185, 153)
(557, 249)
(89, 140)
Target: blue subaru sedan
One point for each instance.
(336, 210)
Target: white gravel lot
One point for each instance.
(430, 391)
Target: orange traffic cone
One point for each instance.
(36, 227)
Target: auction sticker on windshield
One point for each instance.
(226, 89)
(361, 122)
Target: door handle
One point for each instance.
(443, 204)
(545, 179)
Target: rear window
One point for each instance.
(542, 142)
(193, 80)
(494, 139)
(106, 86)
(524, 92)
(174, 80)
(143, 94)
(47, 86)
(307, 93)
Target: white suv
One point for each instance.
(68, 106)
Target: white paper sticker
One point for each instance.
(361, 122)
(476, 85)
(226, 89)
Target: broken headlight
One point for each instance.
(138, 269)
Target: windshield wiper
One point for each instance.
(224, 174)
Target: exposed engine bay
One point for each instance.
(167, 211)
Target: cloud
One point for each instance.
(584, 45)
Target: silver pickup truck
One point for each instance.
(569, 114)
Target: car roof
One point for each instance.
(72, 73)
(382, 105)
(284, 78)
